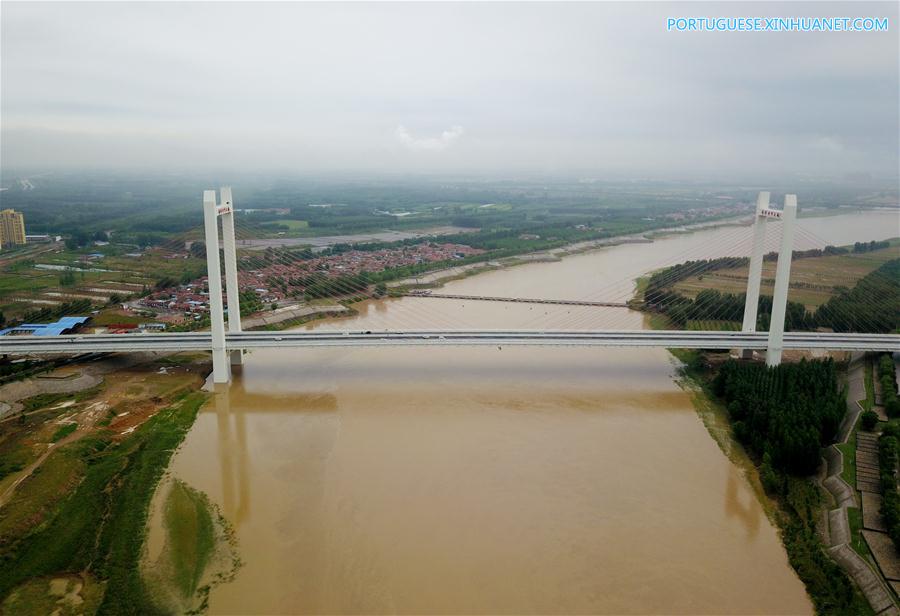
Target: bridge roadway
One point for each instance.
(202, 341)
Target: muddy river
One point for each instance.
(493, 480)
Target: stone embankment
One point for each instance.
(864, 573)
(289, 313)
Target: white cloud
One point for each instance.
(434, 144)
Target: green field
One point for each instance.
(813, 279)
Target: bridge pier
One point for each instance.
(782, 278)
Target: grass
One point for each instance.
(713, 325)
(857, 542)
(191, 536)
(68, 595)
(99, 527)
(63, 431)
(869, 402)
(29, 282)
(293, 225)
(848, 450)
(38, 496)
(13, 459)
(44, 400)
(115, 317)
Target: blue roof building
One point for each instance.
(62, 326)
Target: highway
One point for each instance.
(202, 341)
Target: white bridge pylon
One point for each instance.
(223, 209)
(788, 216)
(212, 212)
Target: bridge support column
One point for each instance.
(221, 369)
(231, 279)
(751, 304)
(782, 277)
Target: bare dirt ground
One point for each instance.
(116, 393)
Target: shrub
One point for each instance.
(869, 420)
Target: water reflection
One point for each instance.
(741, 503)
(232, 450)
(461, 480)
(231, 430)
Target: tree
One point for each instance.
(67, 278)
(198, 250)
(77, 240)
(869, 420)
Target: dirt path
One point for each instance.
(26, 472)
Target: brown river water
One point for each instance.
(481, 480)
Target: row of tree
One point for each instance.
(783, 414)
(870, 246)
(887, 378)
(665, 278)
(874, 303)
(888, 449)
(872, 306)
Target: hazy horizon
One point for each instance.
(445, 89)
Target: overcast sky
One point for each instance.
(456, 88)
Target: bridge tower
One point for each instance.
(788, 216)
(212, 212)
(782, 277)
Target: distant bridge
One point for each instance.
(240, 341)
(518, 300)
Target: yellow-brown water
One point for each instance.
(489, 480)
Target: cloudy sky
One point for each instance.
(456, 88)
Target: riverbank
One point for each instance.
(438, 278)
(80, 503)
(795, 508)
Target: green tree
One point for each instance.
(198, 250)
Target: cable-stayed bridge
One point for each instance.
(227, 341)
(245, 341)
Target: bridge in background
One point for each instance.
(230, 345)
(518, 300)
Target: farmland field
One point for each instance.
(813, 280)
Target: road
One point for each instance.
(21, 345)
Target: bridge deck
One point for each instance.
(198, 341)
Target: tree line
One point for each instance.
(887, 378)
(873, 305)
(783, 414)
(888, 448)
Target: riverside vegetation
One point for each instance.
(783, 416)
(876, 295)
(78, 522)
(889, 449)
